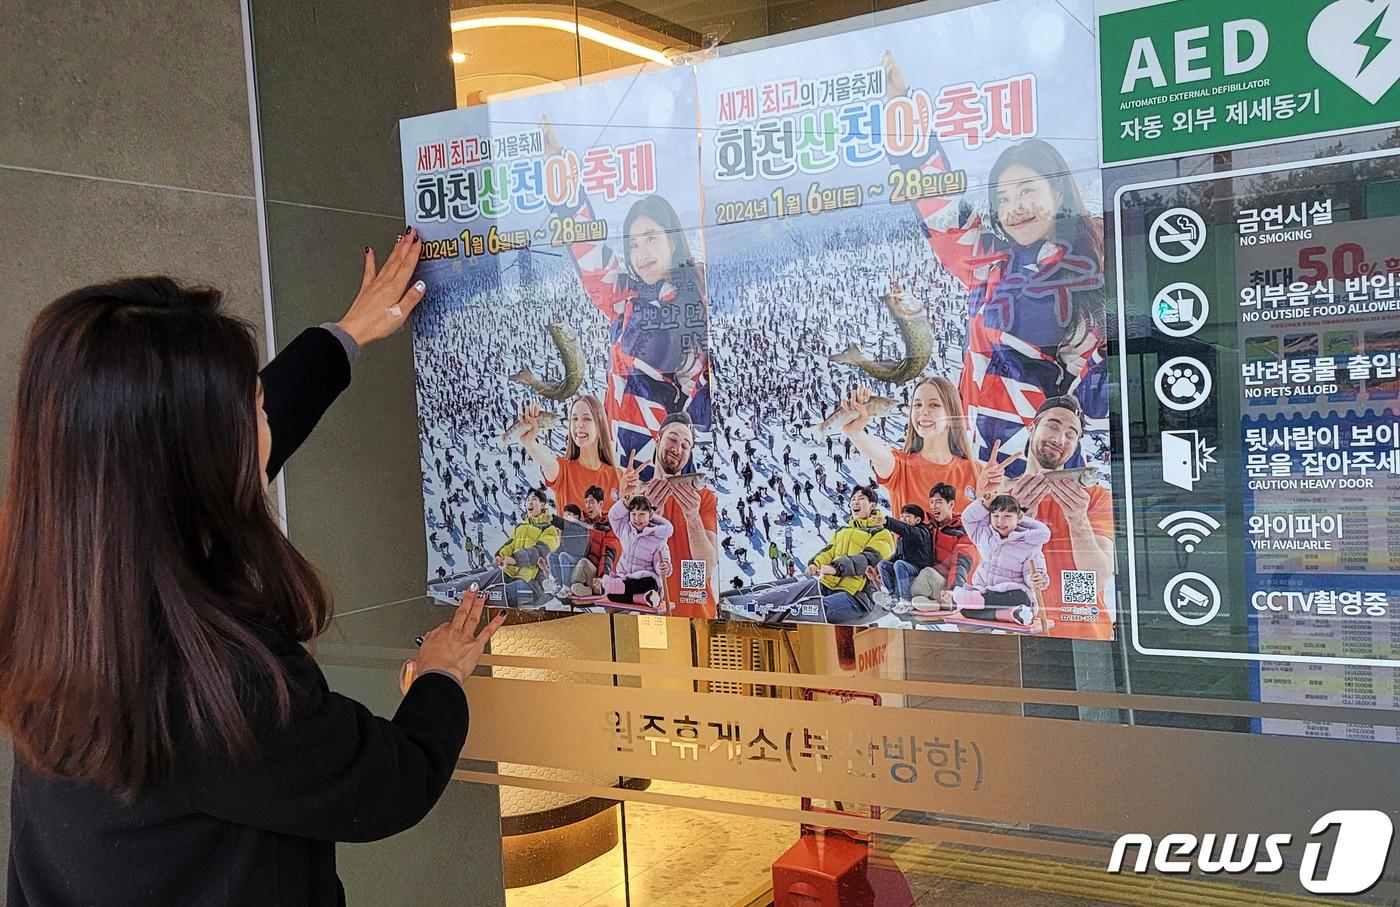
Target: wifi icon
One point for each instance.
(1189, 527)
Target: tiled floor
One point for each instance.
(697, 858)
(971, 894)
(675, 857)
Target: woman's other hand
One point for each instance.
(896, 86)
(1074, 350)
(552, 148)
(456, 646)
(385, 299)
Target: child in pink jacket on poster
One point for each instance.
(636, 577)
(1010, 558)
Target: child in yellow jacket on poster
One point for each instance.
(531, 543)
(842, 567)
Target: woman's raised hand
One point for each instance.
(385, 299)
(455, 646)
(896, 86)
(531, 416)
(859, 403)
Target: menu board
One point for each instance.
(1263, 435)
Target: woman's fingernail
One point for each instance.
(366, 250)
(399, 238)
(419, 285)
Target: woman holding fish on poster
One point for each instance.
(657, 391)
(935, 442)
(1033, 269)
(587, 460)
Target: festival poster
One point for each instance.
(905, 263)
(563, 367)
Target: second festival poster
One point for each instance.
(905, 249)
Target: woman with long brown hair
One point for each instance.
(174, 742)
(935, 444)
(588, 458)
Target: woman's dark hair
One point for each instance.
(138, 555)
(1005, 503)
(1073, 225)
(538, 494)
(639, 502)
(657, 209)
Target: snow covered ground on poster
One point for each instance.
(777, 313)
(474, 330)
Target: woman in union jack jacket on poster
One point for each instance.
(653, 296)
(1033, 268)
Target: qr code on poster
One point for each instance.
(1079, 587)
(692, 574)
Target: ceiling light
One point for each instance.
(587, 32)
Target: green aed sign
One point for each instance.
(1185, 76)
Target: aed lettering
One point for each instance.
(1189, 48)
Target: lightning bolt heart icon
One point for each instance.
(1358, 41)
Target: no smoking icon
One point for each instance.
(1177, 235)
